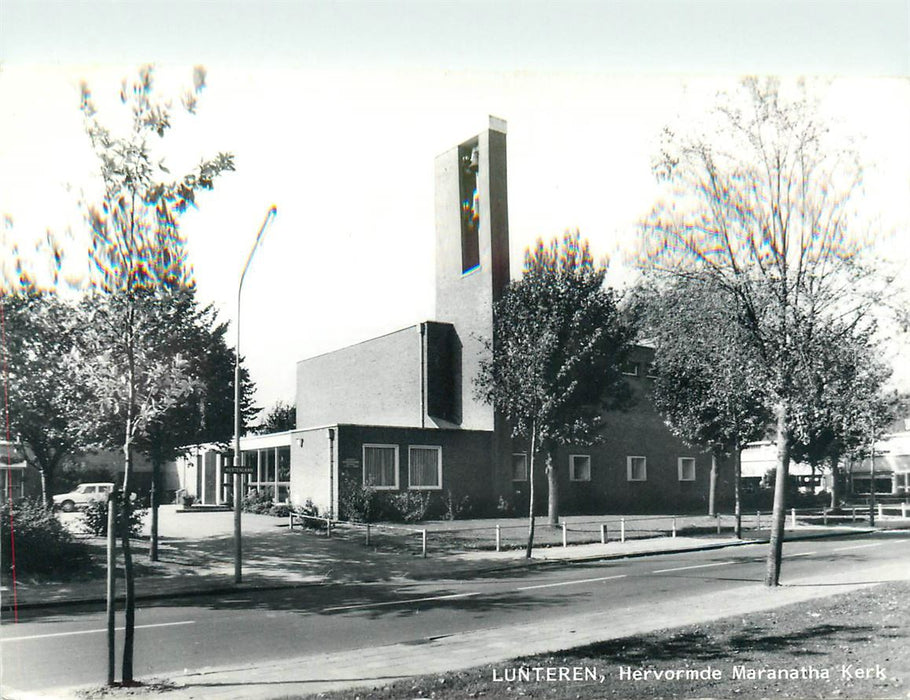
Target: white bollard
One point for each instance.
(603, 533)
(793, 517)
(565, 541)
(368, 533)
(622, 529)
(881, 513)
(498, 538)
(674, 528)
(423, 543)
(758, 520)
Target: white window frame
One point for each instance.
(635, 366)
(629, 475)
(512, 466)
(679, 467)
(651, 371)
(364, 453)
(573, 476)
(438, 449)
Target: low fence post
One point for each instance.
(673, 534)
(758, 520)
(368, 534)
(904, 509)
(793, 517)
(565, 542)
(603, 533)
(717, 518)
(423, 543)
(328, 527)
(824, 516)
(880, 512)
(853, 516)
(622, 529)
(499, 538)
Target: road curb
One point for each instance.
(456, 571)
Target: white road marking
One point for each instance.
(570, 583)
(400, 602)
(858, 546)
(70, 634)
(799, 554)
(696, 566)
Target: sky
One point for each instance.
(335, 112)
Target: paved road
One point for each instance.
(66, 647)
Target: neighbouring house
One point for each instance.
(18, 480)
(892, 465)
(399, 411)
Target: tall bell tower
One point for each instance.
(472, 254)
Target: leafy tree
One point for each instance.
(707, 386)
(43, 399)
(842, 403)
(280, 417)
(206, 414)
(137, 254)
(555, 358)
(761, 205)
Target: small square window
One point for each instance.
(519, 466)
(630, 369)
(580, 467)
(686, 467)
(424, 467)
(636, 469)
(380, 466)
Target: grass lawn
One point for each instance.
(808, 650)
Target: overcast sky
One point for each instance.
(335, 112)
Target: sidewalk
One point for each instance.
(197, 557)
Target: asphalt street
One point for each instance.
(66, 646)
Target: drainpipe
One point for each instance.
(331, 473)
(423, 375)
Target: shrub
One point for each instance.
(256, 501)
(93, 519)
(359, 502)
(504, 507)
(410, 506)
(188, 500)
(456, 508)
(43, 545)
(280, 510)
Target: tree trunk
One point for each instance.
(552, 491)
(129, 620)
(45, 490)
(737, 491)
(153, 505)
(835, 482)
(531, 489)
(712, 487)
(776, 547)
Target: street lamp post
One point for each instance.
(238, 477)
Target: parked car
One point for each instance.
(82, 495)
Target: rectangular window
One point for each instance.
(686, 467)
(424, 467)
(580, 467)
(519, 466)
(636, 469)
(468, 165)
(380, 466)
(630, 369)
